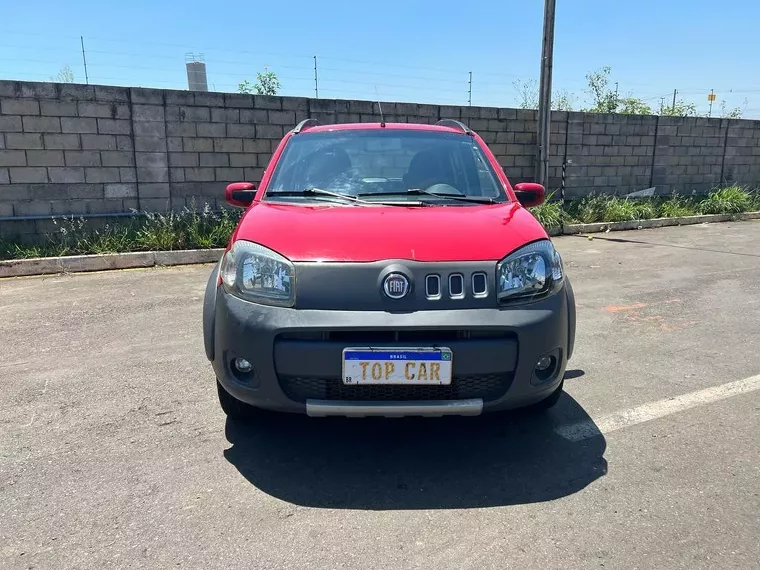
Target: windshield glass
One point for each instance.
(385, 164)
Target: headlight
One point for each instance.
(531, 271)
(258, 274)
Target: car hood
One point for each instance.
(326, 232)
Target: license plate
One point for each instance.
(397, 366)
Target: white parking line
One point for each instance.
(654, 410)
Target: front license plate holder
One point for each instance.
(397, 366)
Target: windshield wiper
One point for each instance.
(419, 191)
(319, 192)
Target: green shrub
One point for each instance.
(160, 232)
(728, 200)
(619, 210)
(755, 201)
(593, 209)
(551, 215)
(209, 229)
(677, 207)
(187, 229)
(75, 237)
(645, 209)
(588, 210)
(205, 229)
(10, 250)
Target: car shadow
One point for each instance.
(417, 463)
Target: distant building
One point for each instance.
(196, 72)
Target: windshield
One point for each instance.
(385, 164)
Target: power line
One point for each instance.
(497, 91)
(305, 67)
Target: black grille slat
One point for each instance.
(373, 337)
(485, 386)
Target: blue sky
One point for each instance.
(396, 50)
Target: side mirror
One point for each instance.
(240, 194)
(530, 194)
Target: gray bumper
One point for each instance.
(287, 345)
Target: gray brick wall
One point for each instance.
(83, 149)
(605, 153)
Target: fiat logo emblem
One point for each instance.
(396, 286)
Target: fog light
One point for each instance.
(543, 363)
(243, 365)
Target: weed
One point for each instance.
(677, 207)
(644, 210)
(596, 208)
(209, 229)
(588, 210)
(728, 200)
(205, 228)
(620, 210)
(755, 200)
(551, 215)
(187, 229)
(160, 232)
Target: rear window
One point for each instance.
(366, 161)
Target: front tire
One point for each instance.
(235, 409)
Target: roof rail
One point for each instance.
(305, 123)
(455, 124)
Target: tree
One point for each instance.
(65, 75)
(563, 101)
(246, 87)
(266, 84)
(682, 108)
(527, 92)
(604, 99)
(633, 106)
(608, 101)
(735, 113)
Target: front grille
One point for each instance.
(485, 386)
(370, 337)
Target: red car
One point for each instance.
(387, 269)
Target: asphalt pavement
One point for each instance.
(114, 452)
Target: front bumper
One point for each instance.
(297, 354)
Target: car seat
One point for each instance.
(428, 168)
(327, 168)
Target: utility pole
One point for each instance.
(316, 82)
(469, 95)
(673, 110)
(84, 59)
(711, 98)
(616, 89)
(545, 94)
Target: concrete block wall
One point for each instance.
(99, 150)
(64, 147)
(742, 151)
(611, 154)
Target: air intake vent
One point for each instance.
(479, 285)
(456, 286)
(433, 287)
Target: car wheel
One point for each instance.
(235, 409)
(547, 403)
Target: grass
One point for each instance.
(729, 200)
(598, 208)
(188, 229)
(678, 207)
(206, 229)
(550, 214)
